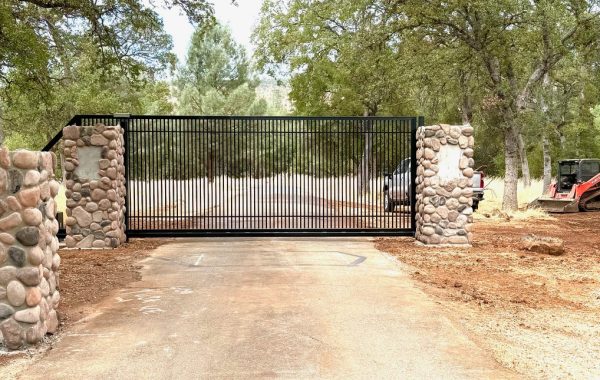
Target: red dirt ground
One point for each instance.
(538, 314)
(88, 276)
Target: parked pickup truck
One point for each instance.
(397, 185)
(478, 188)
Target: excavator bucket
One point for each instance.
(554, 205)
(577, 188)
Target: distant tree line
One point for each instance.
(186, 149)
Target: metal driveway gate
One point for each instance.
(203, 175)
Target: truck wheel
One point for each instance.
(406, 201)
(388, 204)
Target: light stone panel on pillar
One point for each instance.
(29, 258)
(95, 186)
(88, 165)
(444, 185)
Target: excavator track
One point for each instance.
(590, 200)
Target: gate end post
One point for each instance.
(444, 179)
(124, 123)
(94, 170)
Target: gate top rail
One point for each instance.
(79, 119)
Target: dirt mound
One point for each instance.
(543, 244)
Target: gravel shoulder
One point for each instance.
(538, 314)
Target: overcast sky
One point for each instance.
(241, 19)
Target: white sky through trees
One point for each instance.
(240, 18)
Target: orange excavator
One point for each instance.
(576, 189)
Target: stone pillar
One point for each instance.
(28, 247)
(444, 184)
(94, 171)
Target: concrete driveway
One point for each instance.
(267, 308)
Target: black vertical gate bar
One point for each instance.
(268, 180)
(157, 169)
(340, 172)
(131, 147)
(401, 146)
(204, 174)
(173, 164)
(260, 161)
(182, 191)
(327, 181)
(188, 160)
(404, 143)
(244, 195)
(290, 182)
(310, 169)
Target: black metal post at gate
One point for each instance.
(419, 122)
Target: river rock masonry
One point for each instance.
(445, 185)
(95, 186)
(29, 259)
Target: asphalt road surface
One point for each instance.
(267, 308)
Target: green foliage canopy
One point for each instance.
(217, 78)
(61, 57)
(338, 53)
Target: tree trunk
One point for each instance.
(545, 140)
(562, 137)
(467, 107)
(511, 177)
(547, 163)
(524, 161)
(363, 172)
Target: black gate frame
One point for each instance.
(124, 119)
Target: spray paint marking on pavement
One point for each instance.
(198, 260)
(181, 290)
(150, 310)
